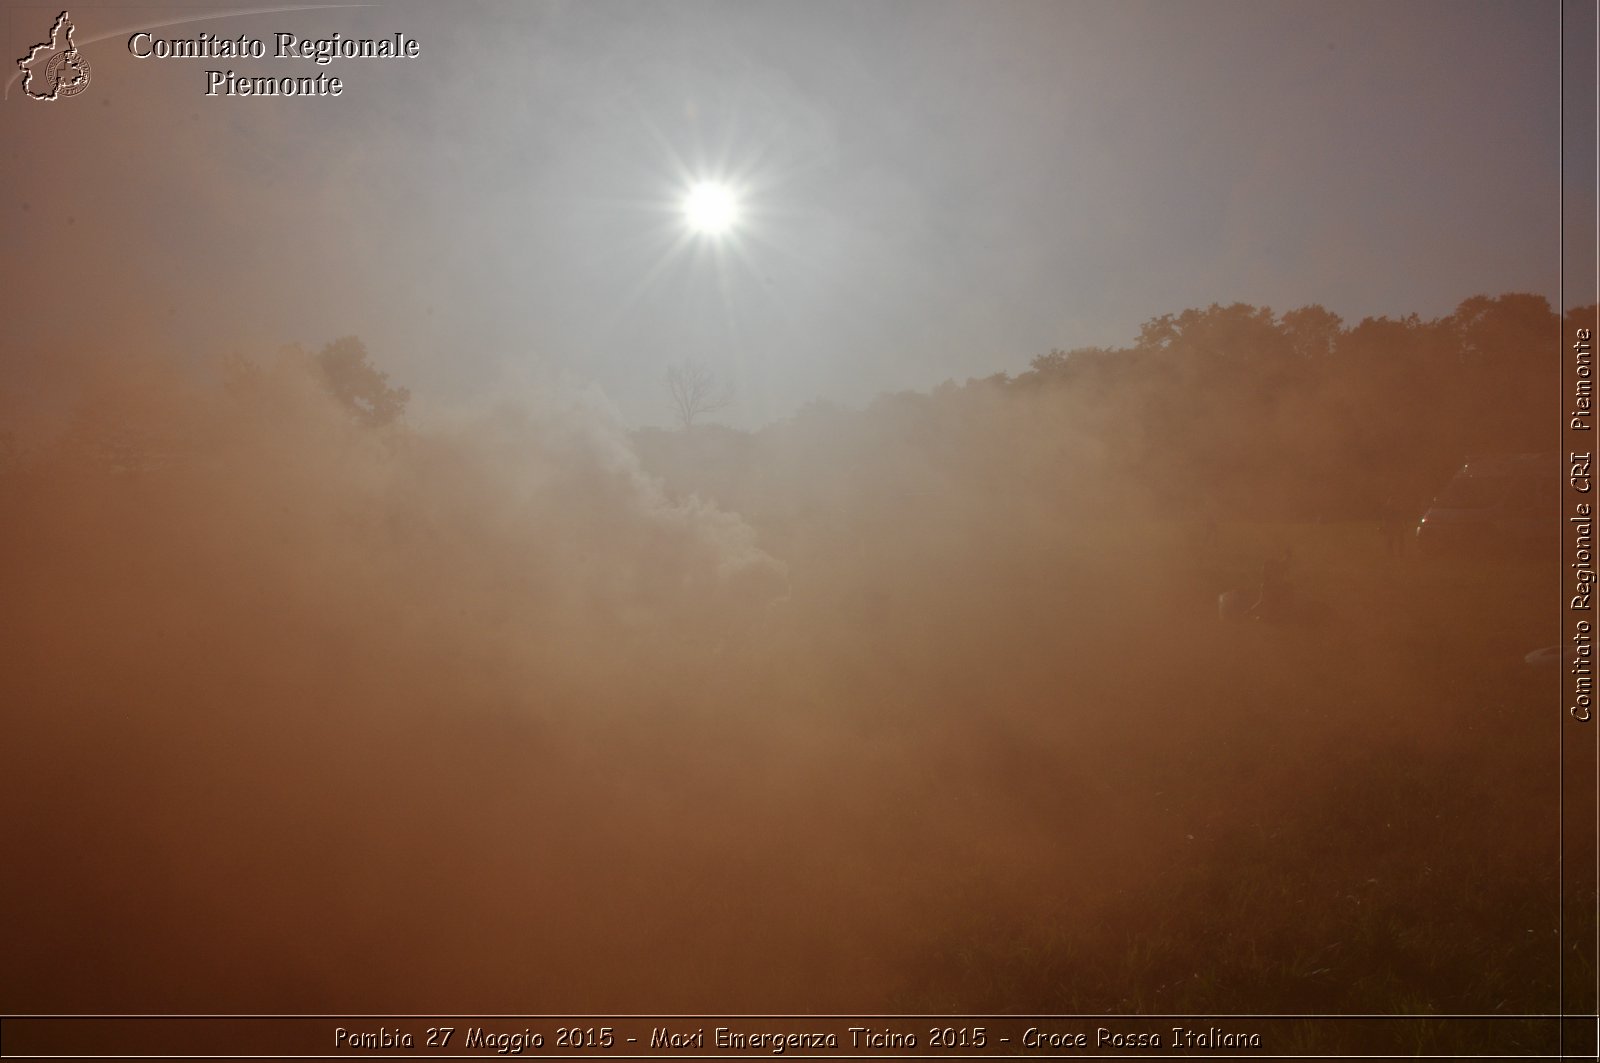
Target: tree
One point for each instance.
(1313, 331)
(694, 391)
(358, 384)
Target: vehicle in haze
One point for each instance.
(1495, 506)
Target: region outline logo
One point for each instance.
(66, 72)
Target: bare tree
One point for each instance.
(694, 391)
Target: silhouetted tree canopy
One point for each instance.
(1231, 410)
(358, 384)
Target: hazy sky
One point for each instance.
(929, 190)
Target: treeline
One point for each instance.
(1228, 412)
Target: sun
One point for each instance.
(710, 208)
